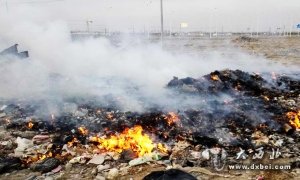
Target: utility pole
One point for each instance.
(161, 21)
(170, 33)
(88, 26)
(257, 26)
(291, 28)
(5, 3)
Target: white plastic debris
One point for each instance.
(113, 155)
(2, 115)
(97, 159)
(113, 173)
(195, 154)
(99, 177)
(205, 154)
(6, 143)
(102, 167)
(23, 144)
(79, 159)
(140, 160)
(279, 143)
(215, 150)
(3, 107)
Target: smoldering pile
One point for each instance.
(239, 110)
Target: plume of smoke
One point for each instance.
(135, 74)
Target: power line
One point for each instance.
(161, 20)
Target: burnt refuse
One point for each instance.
(47, 165)
(232, 110)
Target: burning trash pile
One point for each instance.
(239, 111)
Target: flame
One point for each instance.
(44, 156)
(162, 148)
(294, 119)
(74, 141)
(215, 77)
(266, 98)
(171, 118)
(38, 157)
(83, 131)
(30, 125)
(132, 139)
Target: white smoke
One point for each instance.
(133, 73)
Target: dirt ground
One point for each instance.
(282, 49)
(285, 50)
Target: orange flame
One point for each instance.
(294, 119)
(132, 139)
(83, 131)
(266, 98)
(74, 141)
(171, 118)
(44, 156)
(162, 148)
(30, 125)
(38, 157)
(215, 77)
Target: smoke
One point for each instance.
(133, 74)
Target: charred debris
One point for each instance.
(256, 110)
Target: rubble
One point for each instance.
(90, 140)
(23, 145)
(100, 168)
(78, 159)
(112, 173)
(140, 160)
(39, 139)
(8, 164)
(47, 165)
(57, 169)
(259, 139)
(2, 115)
(99, 177)
(97, 159)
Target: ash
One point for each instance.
(234, 110)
